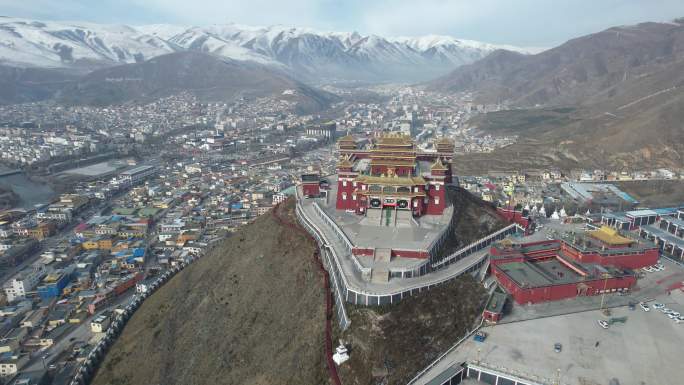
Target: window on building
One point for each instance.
(437, 187)
(344, 196)
(436, 201)
(353, 197)
(354, 184)
(344, 183)
(415, 203)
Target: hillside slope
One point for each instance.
(210, 77)
(624, 88)
(585, 67)
(22, 85)
(251, 312)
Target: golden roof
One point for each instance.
(444, 140)
(391, 180)
(392, 163)
(438, 165)
(610, 236)
(345, 161)
(395, 139)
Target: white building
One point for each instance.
(100, 323)
(278, 198)
(137, 174)
(23, 282)
(10, 366)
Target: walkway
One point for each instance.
(395, 289)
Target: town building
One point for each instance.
(23, 282)
(137, 175)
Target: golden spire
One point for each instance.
(438, 165)
(345, 161)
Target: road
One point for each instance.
(80, 333)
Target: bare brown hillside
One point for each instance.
(390, 345)
(624, 88)
(251, 312)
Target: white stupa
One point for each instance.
(555, 215)
(542, 212)
(562, 213)
(341, 354)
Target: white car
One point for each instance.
(675, 313)
(644, 307)
(666, 310)
(658, 306)
(660, 267)
(648, 269)
(679, 319)
(671, 316)
(603, 324)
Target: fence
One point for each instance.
(443, 355)
(357, 296)
(331, 265)
(477, 245)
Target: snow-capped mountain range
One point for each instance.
(303, 52)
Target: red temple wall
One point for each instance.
(311, 189)
(558, 292)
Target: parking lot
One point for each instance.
(589, 354)
(523, 343)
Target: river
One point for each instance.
(29, 192)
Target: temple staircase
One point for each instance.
(381, 260)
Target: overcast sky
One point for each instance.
(540, 23)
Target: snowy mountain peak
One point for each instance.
(303, 51)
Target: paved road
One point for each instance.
(80, 333)
(570, 323)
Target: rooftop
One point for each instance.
(496, 302)
(539, 274)
(610, 236)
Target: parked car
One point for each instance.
(480, 336)
(679, 319)
(648, 269)
(666, 310)
(658, 306)
(644, 307)
(557, 347)
(603, 324)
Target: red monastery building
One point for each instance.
(392, 177)
(589, 263)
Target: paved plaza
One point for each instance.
(523, 343)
